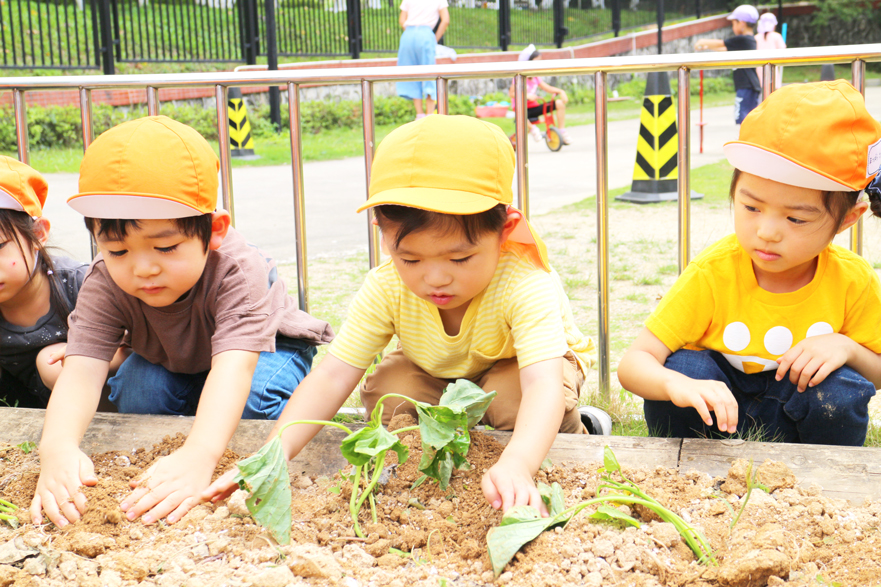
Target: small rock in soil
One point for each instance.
(754, 568)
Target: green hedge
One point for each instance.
(61, 126)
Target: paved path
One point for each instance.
(264, 208)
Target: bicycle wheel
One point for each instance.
(553, 140)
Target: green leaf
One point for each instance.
(610, 461)
(361, 446)
(607, 512)
(27, 446)
(470, 397)
(265, 477)
(519, 526)
(553, 497)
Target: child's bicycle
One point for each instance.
(550, 135)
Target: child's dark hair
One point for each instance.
(408, 220)
(116, 229)
(18, 227)
(837, 204)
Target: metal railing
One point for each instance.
(683, 65)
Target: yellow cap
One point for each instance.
(152, 168)
(818, 136)
(450, 165)
(22, 188)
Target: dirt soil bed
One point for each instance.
(428, 537)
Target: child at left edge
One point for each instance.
(470, 294)
(213, 330)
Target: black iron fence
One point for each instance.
(96, 34)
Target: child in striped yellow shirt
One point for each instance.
(469, 293)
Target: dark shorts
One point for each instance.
(23, 394)
(533, 112)
(744, 102)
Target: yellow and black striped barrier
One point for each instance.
(241, 143)
(656, 173)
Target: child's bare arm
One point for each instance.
(318, 397)
(814, 358)
(641, 371)
(172, 485)
(554, 90)
(509, 482)
(710, 45)
(64, 468)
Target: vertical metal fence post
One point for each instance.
(858, 77)
(768, 75)
(522, 160)
(106, 23)
(88, 136)
(616, 17)
(602, 145)
(684, 167)
(560, 30)
(299, 195)
(353, 22)
(272, 63)
(504, 14)
(21, 126)
(369, 148)
(660, 26)
(443, 95)
(220, 100)
(153, 101)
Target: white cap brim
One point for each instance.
(130, 207)
(770, 165)
(7, 202)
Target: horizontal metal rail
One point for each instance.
(599, 68)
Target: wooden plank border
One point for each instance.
(842, 472)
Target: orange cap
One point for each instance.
(22, 188)
(152, 168)
(818, 136)
(451, 165)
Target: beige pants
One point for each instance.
(397, 374)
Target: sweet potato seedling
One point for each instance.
(522, 524)
(445, 442)
(6, 513)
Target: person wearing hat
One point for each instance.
(37, 290)
(469, 293)
(534, 109)
(767, 38)
(212, 329)
(747, 88)
(772, 333)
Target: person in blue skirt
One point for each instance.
(418, 46)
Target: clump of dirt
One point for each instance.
(424, 536)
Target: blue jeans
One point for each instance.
(834, 412)
(141, 387)
(745, 100)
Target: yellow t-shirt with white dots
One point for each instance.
(522, 313)
(717, 304)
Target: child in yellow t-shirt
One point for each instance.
(469, 293)
(774, 329)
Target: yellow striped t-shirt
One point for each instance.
(523, 313)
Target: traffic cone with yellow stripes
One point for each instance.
(656, 173)
(241, 143)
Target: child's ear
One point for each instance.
(41, 229)
(852, 216)
(220, 221)
(514, 218)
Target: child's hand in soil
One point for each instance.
(223, 487)
(509, 483)
(62, 472)
(170, 488)
(707, 396)
(813, 359)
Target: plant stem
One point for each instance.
(377, 473)
(353, 511)
(402, 430)
(6, 506)
(319, 422)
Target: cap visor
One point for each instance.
(8, 202)
(771, 165)
(130, 207)
(433, 200)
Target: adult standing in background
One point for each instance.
(418, 47)
(766, 38)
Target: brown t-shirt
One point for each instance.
(235, 305)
